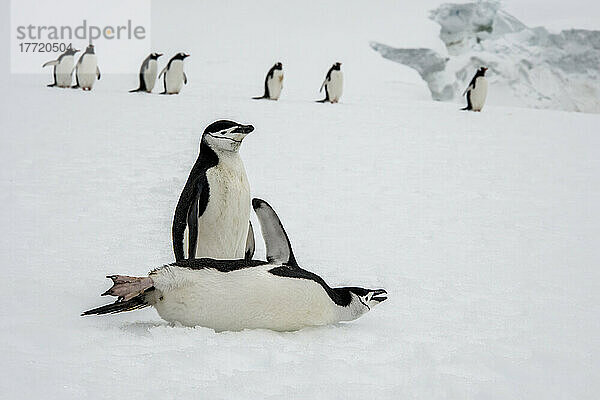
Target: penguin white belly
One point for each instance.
(86, 71)
(335, 86)
(275, 84)
(223, 227)
(150, 75)
(64, 72)
(249, 298)
(174, 77)
(479, 94)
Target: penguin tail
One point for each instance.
(321, 101)
(131, 295)
(259, 97)
(75, 87)
(467, 108)
(136, 90)
(51, 85)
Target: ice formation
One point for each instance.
(528, 66)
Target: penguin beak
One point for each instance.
(186, 55)
(158, 54)
(244, 129)
(379, 295)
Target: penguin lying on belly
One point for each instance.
(232, 295)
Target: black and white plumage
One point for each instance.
(148, 72)
(86, 70)
(63, 69)
(231, 295)
(333, 84)
(213, 213)
(174, 76)
(273, 83)
(476, 91)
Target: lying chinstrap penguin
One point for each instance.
(231, 295)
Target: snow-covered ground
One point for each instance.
(483, 227)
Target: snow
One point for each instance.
(530, 66)
(483, 227)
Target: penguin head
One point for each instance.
(361, 300)
(225, 136)
(278, 65)
(337, 66)
(481, 71)
(180, 56)
(71, 51)
(90, 49)
(154, 56)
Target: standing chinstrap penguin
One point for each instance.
(212, 217)
(333, 84)
(174, 77)
(273, 83)
(63, 69)
(86, 70)
(232, 295)
(148, 72)
(476, 91)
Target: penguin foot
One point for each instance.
(127, 287)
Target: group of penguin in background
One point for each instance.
(87, 71)
(214, 281)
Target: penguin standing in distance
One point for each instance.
(476, 91)
(273, 83)
(212, 217)
(86, 70)
(148, 72)
(63, 68)
(232, 295)
(174, 78)
(333, 84)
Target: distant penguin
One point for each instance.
(63, 69)
(174, 77)
(333, 84)
(212, 217)
(148, 72)
(273, 83)
(476, 91)
(86, 70)
(232, 295)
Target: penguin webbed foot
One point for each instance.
(127, 287)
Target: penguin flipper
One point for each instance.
(97, 72)
(192, 224)
(53, 62)
(250, 245)
(162, 72)
(184, 78)
(469, 105)
(279, 248)
(193, 189)
(323, 85)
